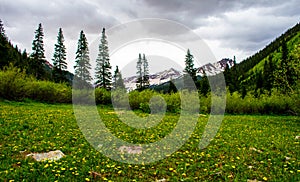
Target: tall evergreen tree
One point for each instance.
(103, 67)
(118, 80)
(145, 83)
(286, 74)
(172, 87)
(189, 71)
(139, 82)
(38, 61)
(2, 30)
(234, 60)
(259, 84)
(204, 86)
(82, 63)
(268, 74)
(59, 58)
(189, 66)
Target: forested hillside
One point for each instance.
(274, 67)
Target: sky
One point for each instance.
(228, 27)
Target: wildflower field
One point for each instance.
(246, 147)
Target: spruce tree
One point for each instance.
(103, 67)
(2, 30)
(118, 80)
(37, 61)
(82, 63)
(285, 74)
(59, 58)
(139, 82)
(268, 75)
(189, 70)
(204, 86)
(145, 82)
(189, 65)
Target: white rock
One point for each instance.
(131, 149)
(287, 158)
(52, 155)
(256, 150)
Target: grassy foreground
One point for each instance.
(264, 148)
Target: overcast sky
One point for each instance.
(228, 27)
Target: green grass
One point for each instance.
(38, 127)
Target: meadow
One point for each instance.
(246, 147)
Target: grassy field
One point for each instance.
(264, 148)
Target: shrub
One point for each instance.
(16, 85)
(102, 96)
(12, 83)
(46, 91)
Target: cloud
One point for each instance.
(239, 27)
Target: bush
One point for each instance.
(16, 85)
(46, 91)
(102, 96)
(13, 83)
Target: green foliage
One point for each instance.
(142, 73)
(10, 54)
(103, 68)
(13, 83)
(102, 96)
(82, 66)
(50, 92)
(2, 31)
(203, 85)
(189, 77)
(118, 82)
(272, 67)
(37, 60)
(16, 85)
(276, 103)
(59, 59)
(145, 83)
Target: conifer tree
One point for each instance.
(189, 70)
(2, 30)
(189, 65)
(145, 83)
(172, 87)
(139, 82)
(59, 58)
(103, 67)
(37, 61)
(82, 63)
(268, 75)
(118, 80)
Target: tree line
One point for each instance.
(36, 64)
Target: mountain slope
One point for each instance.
(253, 73)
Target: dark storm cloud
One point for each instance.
(190, 11)
(236, 24)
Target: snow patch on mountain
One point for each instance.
(167, 75)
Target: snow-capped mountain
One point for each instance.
(167, 75)
(215, 68)
(154, 79)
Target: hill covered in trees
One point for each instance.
(276, 67)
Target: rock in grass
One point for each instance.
(252, 180)
(161, 180)
(131, 149)
(52, 155)
(256, 150)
